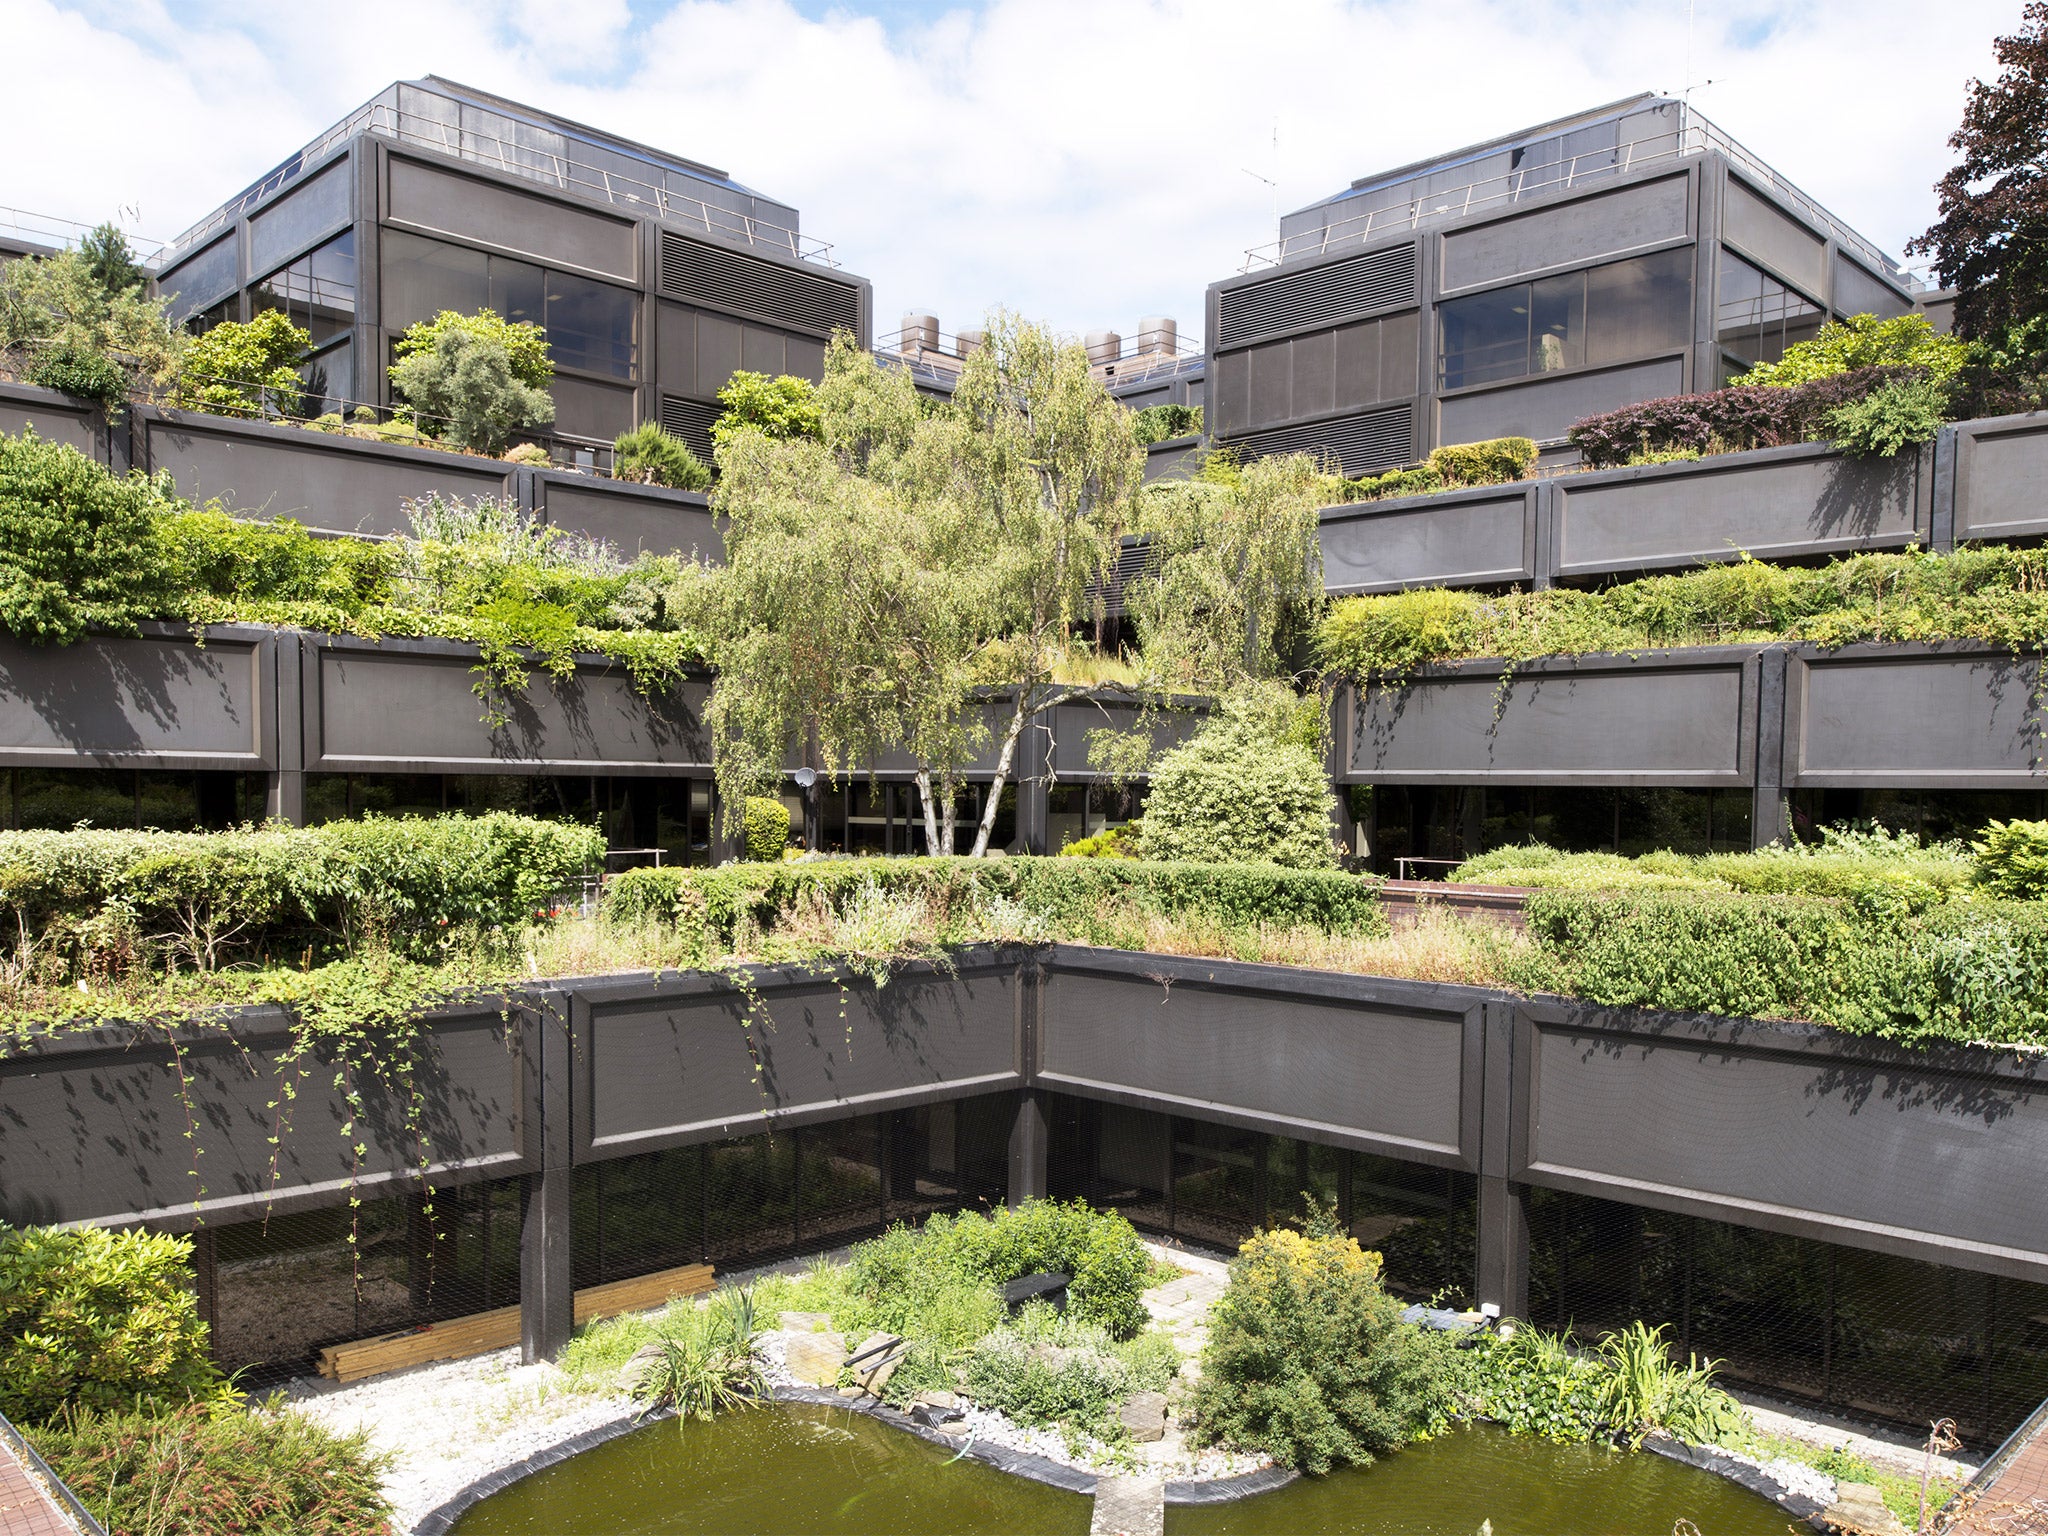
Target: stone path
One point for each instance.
(29, 1508)
(1181, 1308)
(1129, 1506)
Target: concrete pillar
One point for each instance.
(1028, 1143)
(547, 1307)
(1769, 816)
(285, 794)
(1034, 788)
(1504, 1246)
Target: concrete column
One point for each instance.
(1504, 1246)
(547, 1307)
(1034, 788)
(1028, 1142)
(1771, 805)
(285, 795)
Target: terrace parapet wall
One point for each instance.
(1805, 501)
(1934, 1154)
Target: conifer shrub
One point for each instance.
(654, 457)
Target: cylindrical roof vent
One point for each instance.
(1104, 347)
(972, 340)
(920, 334)
(1158, 333)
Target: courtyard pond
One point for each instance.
(816, 1471)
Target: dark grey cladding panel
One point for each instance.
(154, 700)
(1458, 539)
(2002, 477)
(1547, 408)
(1951, 716)
(1941, 1155)
(1773, 503)
(1175, 459)
(1583, 230)
(1072, 724)
(695, 1058)
(1758, 228)
(95, 1125)
(470, 208)
(54, 417)
(631, 518)
(1672, 717)
(410, 707)
(1387, 1066)
(338, 484)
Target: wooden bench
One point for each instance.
(482, 1332)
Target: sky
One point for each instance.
(1083, 162)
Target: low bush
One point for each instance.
(2012, 859)
(87, 903)
(98, 1320)
(765, 828)
(1727, 420)
(1865, 341)
(245, 368)
(1996, 594)
(75, 371)
(654, 457)
(783, 407)
(78, 545)
(1163, 423)
(1890, 419)
(1308, 1359)
(1451, 467)
(1234, 795)
(1535, 1383)
(481, 378)
(222, 1474)
(530, 454)
(1092, 901)
(1120, 842)
(1050, 1368)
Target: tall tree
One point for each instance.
(1991, 242)
(916, 581)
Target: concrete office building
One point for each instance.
(655, 276)
(1513, 287)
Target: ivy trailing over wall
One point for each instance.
(1997, 595)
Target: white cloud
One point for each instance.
(1080, 160)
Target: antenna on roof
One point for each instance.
(1269, 180)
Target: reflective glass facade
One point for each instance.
(1608, 314)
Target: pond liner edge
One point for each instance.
(442, 1517)
(1741, 1473)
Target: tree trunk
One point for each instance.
(931, 820)
(1019, 718)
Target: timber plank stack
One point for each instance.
(482, 1332)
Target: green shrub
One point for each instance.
(1050, 1368)
(233, 1474)
(765, 827)
(784, 407)
(2012, 859)
(98, 1319)
(1090, 901)
(1864, 341)
(481, 378)
(1534, 1383)
(1890, 419)
(245, 368)
(1121, 842)
(74, 303)
(76, 371)
(1492, 462)
(1232, 795)
(529, 453)
(1163, 423)
(1308, 1359)
(652, 456)
(78, 546)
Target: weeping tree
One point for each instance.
(915, 580)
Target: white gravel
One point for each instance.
(451, 1423)
(1792, 1476)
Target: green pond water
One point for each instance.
(799, 1470)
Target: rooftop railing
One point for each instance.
(529, 162)
(1694, 136)
(47, 229)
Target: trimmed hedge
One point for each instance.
(209, 897)
(1091, 901)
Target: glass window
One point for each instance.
(424, 277)
(1756, 316)
(330, 381)
(318, 291)
(591, 325)
(1634, 308)
(1624, 310)
(519, 290)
